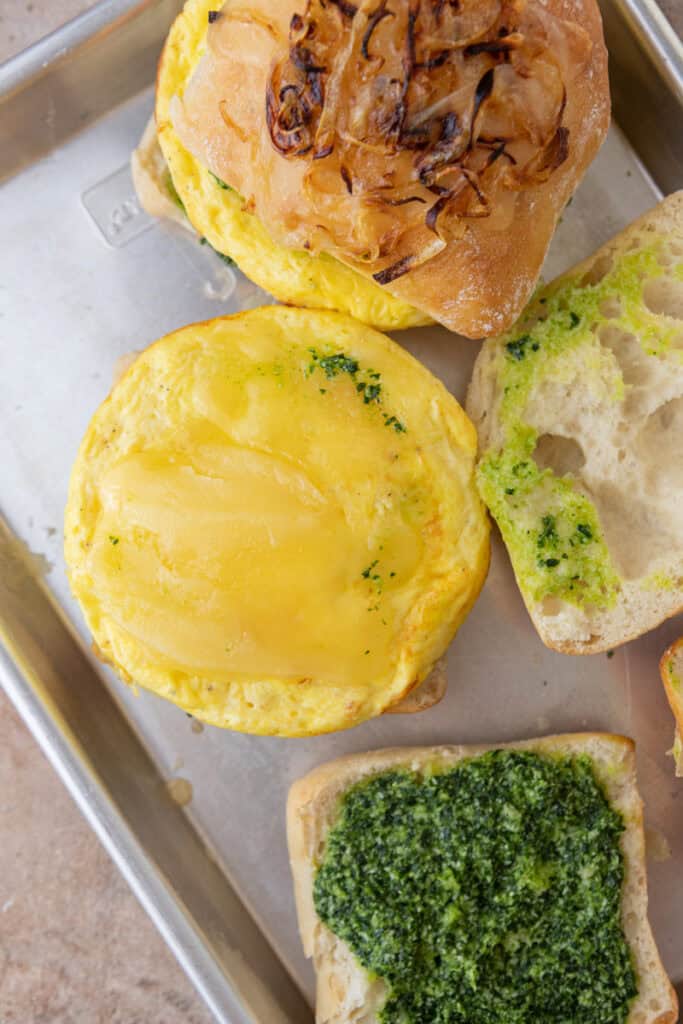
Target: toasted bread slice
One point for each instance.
(346, 993)
(671, 668)
(579, 411)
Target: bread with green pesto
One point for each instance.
(579, 411)
(348, 992)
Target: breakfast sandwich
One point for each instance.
(401, 160)
(273, 521)
(579, 410)
(478, 885)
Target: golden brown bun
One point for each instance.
(476, 285)
(481, 284)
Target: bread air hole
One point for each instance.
(657, 440)
(611, 307)
(628, 352)
(638, 531)
(561, 454)
(641, 510)
(664, 295)
(621, 448)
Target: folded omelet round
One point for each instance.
(219, 214)
(272, 521)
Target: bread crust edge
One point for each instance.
(666, 216)
(311, 808)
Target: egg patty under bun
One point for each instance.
(221, 215)
(430, 147)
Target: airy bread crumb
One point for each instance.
(608, 417)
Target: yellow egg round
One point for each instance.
(273, 522)
(218, 214)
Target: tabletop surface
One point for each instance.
(75, 946)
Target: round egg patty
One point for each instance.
(218, 213)
(273, 522)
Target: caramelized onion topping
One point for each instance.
(401, 100)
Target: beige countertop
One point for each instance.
(75, 946)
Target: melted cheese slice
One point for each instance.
(251, 533)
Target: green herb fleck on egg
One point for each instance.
(228, 260)
(367, 382)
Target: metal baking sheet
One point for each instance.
(86, 278)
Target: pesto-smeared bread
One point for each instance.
(671, 668)
(470, 883)
(579, 411)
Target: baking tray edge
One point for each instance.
(42, 109)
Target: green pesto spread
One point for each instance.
(488, 893)
(173, 192)
(367, 382)
(556, 339)
(550, 527)
(222, 256)
(221, 184)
